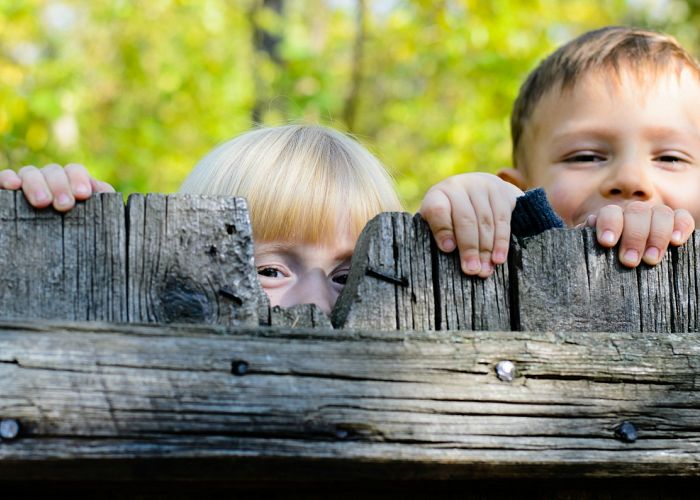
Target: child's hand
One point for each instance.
(644, 230)
(53, 184)
(472, 212)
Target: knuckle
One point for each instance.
(662, 210)
(638, 208)
(27, 169)
(51, 168)
(435, 212)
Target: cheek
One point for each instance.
(274, 293)
(567, 195)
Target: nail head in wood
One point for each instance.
(505, 370)
(9, 429)
(239, 367)
(626, 432)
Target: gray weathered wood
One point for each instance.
(191, 260)
(426, 288)
(69, 266)
(299, 316)
(411, 404)
(560, 279)
(470, 303)
(566, 281)
(177, 259)
(390, 285)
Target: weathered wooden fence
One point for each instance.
(563, 364)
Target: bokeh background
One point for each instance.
(138, 91)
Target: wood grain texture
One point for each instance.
(64, 266)
(390, 285)
(408, 403)
(399, 279)
(566, 281)
(191, 260)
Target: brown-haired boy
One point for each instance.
(609, 126)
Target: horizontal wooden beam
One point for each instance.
(98, 400)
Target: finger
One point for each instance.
(34, 187)
(608, 225)
(659, 237)
(101, 187)
(502, 213)
(60, 188)
(683, 226)
(437, 212)
(10, 180)
(637, 222)
(466, 230)
(485, 222)
(79, 180)
(483, 215)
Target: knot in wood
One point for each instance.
(505, 370)
(9, 429)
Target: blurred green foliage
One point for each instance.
(139, 90)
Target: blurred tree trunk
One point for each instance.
(265, 42)
(351, 102)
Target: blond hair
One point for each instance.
(299, 180)
(607, 49)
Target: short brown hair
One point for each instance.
(610, 48)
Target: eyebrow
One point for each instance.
(657, 132)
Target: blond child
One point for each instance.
(609, 126)
(310, 192)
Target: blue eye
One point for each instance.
(269, 272)
(341, 279)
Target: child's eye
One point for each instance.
(669, 159)
(672, 161)
(340, 278)
(586, 157)
(269, 272)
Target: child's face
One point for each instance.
(614, 141)
(298, 273)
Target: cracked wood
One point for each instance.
(88, 393)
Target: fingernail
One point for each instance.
(448, 245)
(486, 267)
(472, 265)
(608, 237)
(40, 196)
(82, 189)
(652, 253)
(63, 200)
(499, 256)
(631, 256)
(676, 236)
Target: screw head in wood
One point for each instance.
(9, 429)
(239, 367)
(626, 432)
(505, 370)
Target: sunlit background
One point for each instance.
(138, 91)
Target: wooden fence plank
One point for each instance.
(566, 281)
(70, 266)
(419, 400)
(191, 260)
(400, 280)
(390, 285)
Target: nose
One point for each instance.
(627, 181)
(313, 289)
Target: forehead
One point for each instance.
(623, 91)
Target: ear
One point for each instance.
(513, 176)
